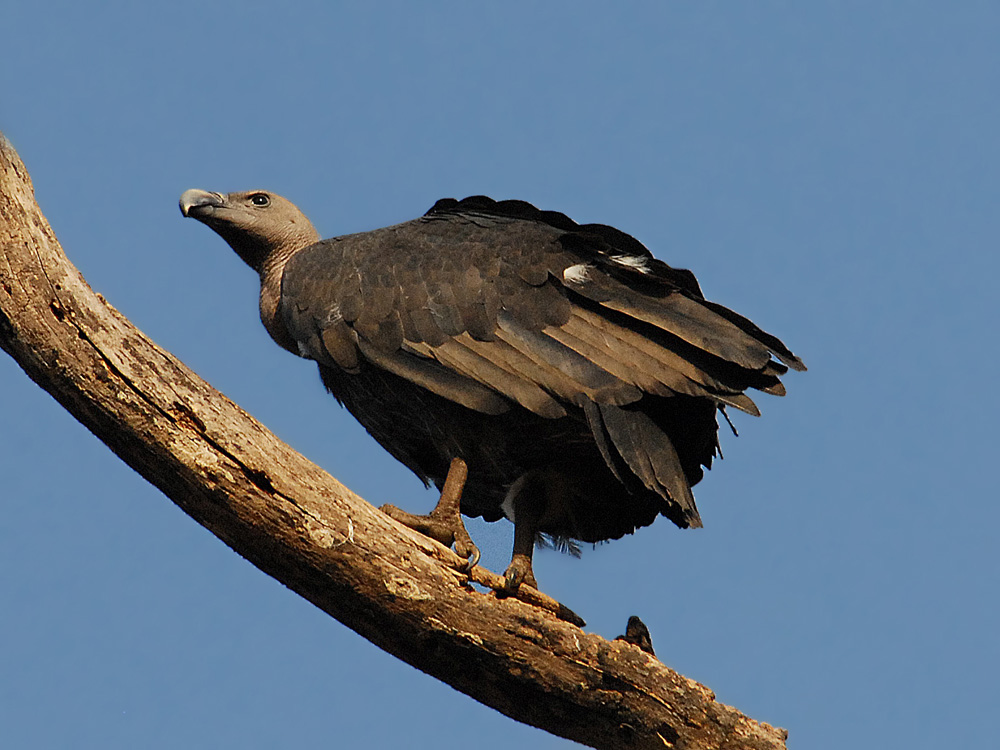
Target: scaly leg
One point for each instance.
(528, 505)
(444, 523)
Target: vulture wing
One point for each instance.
(498, 305)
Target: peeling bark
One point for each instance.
(296, 523)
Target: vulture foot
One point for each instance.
(528, 505)
(444, 523)
(518, 572)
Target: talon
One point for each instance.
(444, 523)
(518, 573)
(511, 583)
(471, 557)
(428, 525)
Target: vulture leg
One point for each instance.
(527, 504)
(519, 571)
(444, 523)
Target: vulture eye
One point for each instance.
(259, 199)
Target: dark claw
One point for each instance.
(512, 582)
(471, 557)
(441, 531)
(518, 572)
(444, 523)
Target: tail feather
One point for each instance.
(649, 455)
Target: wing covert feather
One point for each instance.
(494, 309)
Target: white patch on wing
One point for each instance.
(303, 350)
(638, 262)
(507, 506)
(577, 274)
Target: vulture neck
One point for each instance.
(270, 270)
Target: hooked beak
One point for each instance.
(199, 203)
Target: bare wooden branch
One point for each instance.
(399, 590)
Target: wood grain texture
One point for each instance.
(298, 524)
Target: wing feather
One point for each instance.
(507, 320)
(483, 369)
(651, 456)
(516, 362)
(595, 382)
(672, 371)
(678, 314)
(438, 379)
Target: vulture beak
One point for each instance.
(197, 203)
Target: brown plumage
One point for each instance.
(576, 376)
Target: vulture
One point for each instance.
(533, 368)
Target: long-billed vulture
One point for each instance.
(575, 377)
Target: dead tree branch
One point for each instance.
(396, 588)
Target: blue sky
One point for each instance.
(828, 169)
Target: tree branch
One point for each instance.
(296, 523)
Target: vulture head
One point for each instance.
(261, 227)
